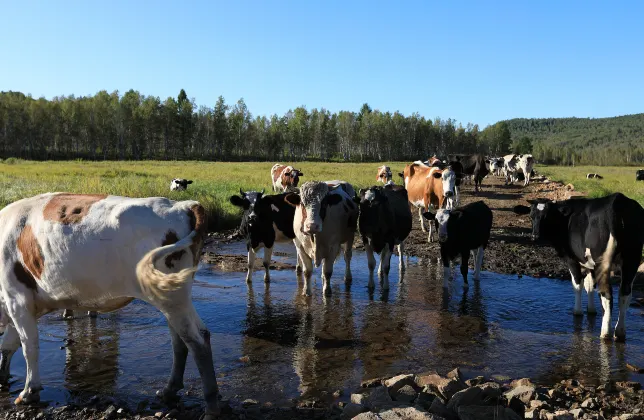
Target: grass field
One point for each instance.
(214, 182)
(616, 178)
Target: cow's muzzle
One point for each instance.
(449, 194)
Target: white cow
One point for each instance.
(513, 164)
(96, 252)
(325, 220)
(179, 184)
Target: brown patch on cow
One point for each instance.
(31, 254)
(172, 238)
(24, 276)
(198, 223)
(70, 208)
(278, 172)
(286, 177)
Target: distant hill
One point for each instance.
(605, 141)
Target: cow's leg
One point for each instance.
(478, 263)
(307, 262)
(298, 264)
(251, 265)
(327, 272)
(629, 271)
(401, 251)
(92, 314)
(575, 274)
(268, 253)
(348, 253)
(180, 354)
(589, 285)
(606, 295)
(447, 270)
(25, 323)
(10, 343)
(371, 260)
(385, 261)
(183, 318)
(68, 314)
(465, 258)
(422, 219)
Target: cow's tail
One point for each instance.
(602, 274)
(156, 283)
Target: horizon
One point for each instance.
(473, 63)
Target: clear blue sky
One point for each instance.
(474, 61)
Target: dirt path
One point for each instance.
(511, 251)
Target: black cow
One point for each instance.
(593, 235)
(385, 221)
(267, 219)
(639, 175)
(460, 231)
(475, 165)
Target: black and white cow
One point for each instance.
(595, 176)
(179, 184)
(593, 235)
(460, 231)
(475, 166)
(639, 175)
(385, 221)
(267, 219)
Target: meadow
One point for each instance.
(215, 182)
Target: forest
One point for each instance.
(132, 126)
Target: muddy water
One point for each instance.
(273, 344)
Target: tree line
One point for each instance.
(111, 126)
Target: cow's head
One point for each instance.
(548, 217)
(384, 174)
(179, 184)
(449, 182)
(252, 204)
(526, 161)
(372, 203)
(442, 220)
(313, 201)
(291, 177)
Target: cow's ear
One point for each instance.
(400, 174)
(520, 209)
(333, 199)
(300, 174)
(565, 210)
(437, 174)
(189, 182)
(238, 201)
(429, 215)
(292, 199)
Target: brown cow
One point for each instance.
(283, 177)
(384, 175)
(424, 187)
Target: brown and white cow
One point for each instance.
(424, 188)
(284, 177)
(326, 219)
(97, 252)
(384, 175)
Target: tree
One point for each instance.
(522, 145)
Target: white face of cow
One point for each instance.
(179, 184)
(312, 194)
(526, 163)
(384, 174)
(442, 217)
(449, 183)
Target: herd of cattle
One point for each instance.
(98, 253)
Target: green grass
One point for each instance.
(214, 182)
(616, 179)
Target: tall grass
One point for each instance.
(214, 182)
(616, 179)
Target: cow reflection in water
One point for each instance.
(325, 354)
(91, 355)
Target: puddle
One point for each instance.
(274, 344)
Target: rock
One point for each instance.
(367, 416)
(475, 381)
(455, 374)
(491, 390)
(397, 382)
(631, 417)
(244, 359)
(407, 413)
(523, 392)
(590, 403)
(469, 396)
(532, 414)
(521, 382)
(629, 385)
(577, 413)
(478, 412)
(516, 405)
(559, 415)
(372, 383)
(172, 414)
(158, 414)
(337, 394)
(425, 399)
(446, 387)
(351, 410)
(431, 378)
(406, 394)
(439, 409)
(110, 412)
(373, 398)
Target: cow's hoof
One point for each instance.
(620, 336)
(298, 269)
(578, 313)
(267, 279)
(168, 395)
(93, 314)
(606, 336)
(29, 397)
(466, 286)
(348, 279)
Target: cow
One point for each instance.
(475, 165)
(434, 161)
(460, 231)
(179, 184)
(385, 221)
(594, 235)
(384, 175)
(515, 164)
(595, 176)
(496, 166)
(267, 220)
(326, 219)
(639, 175)
(98, 252)
(424, 188)
(283, 177)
